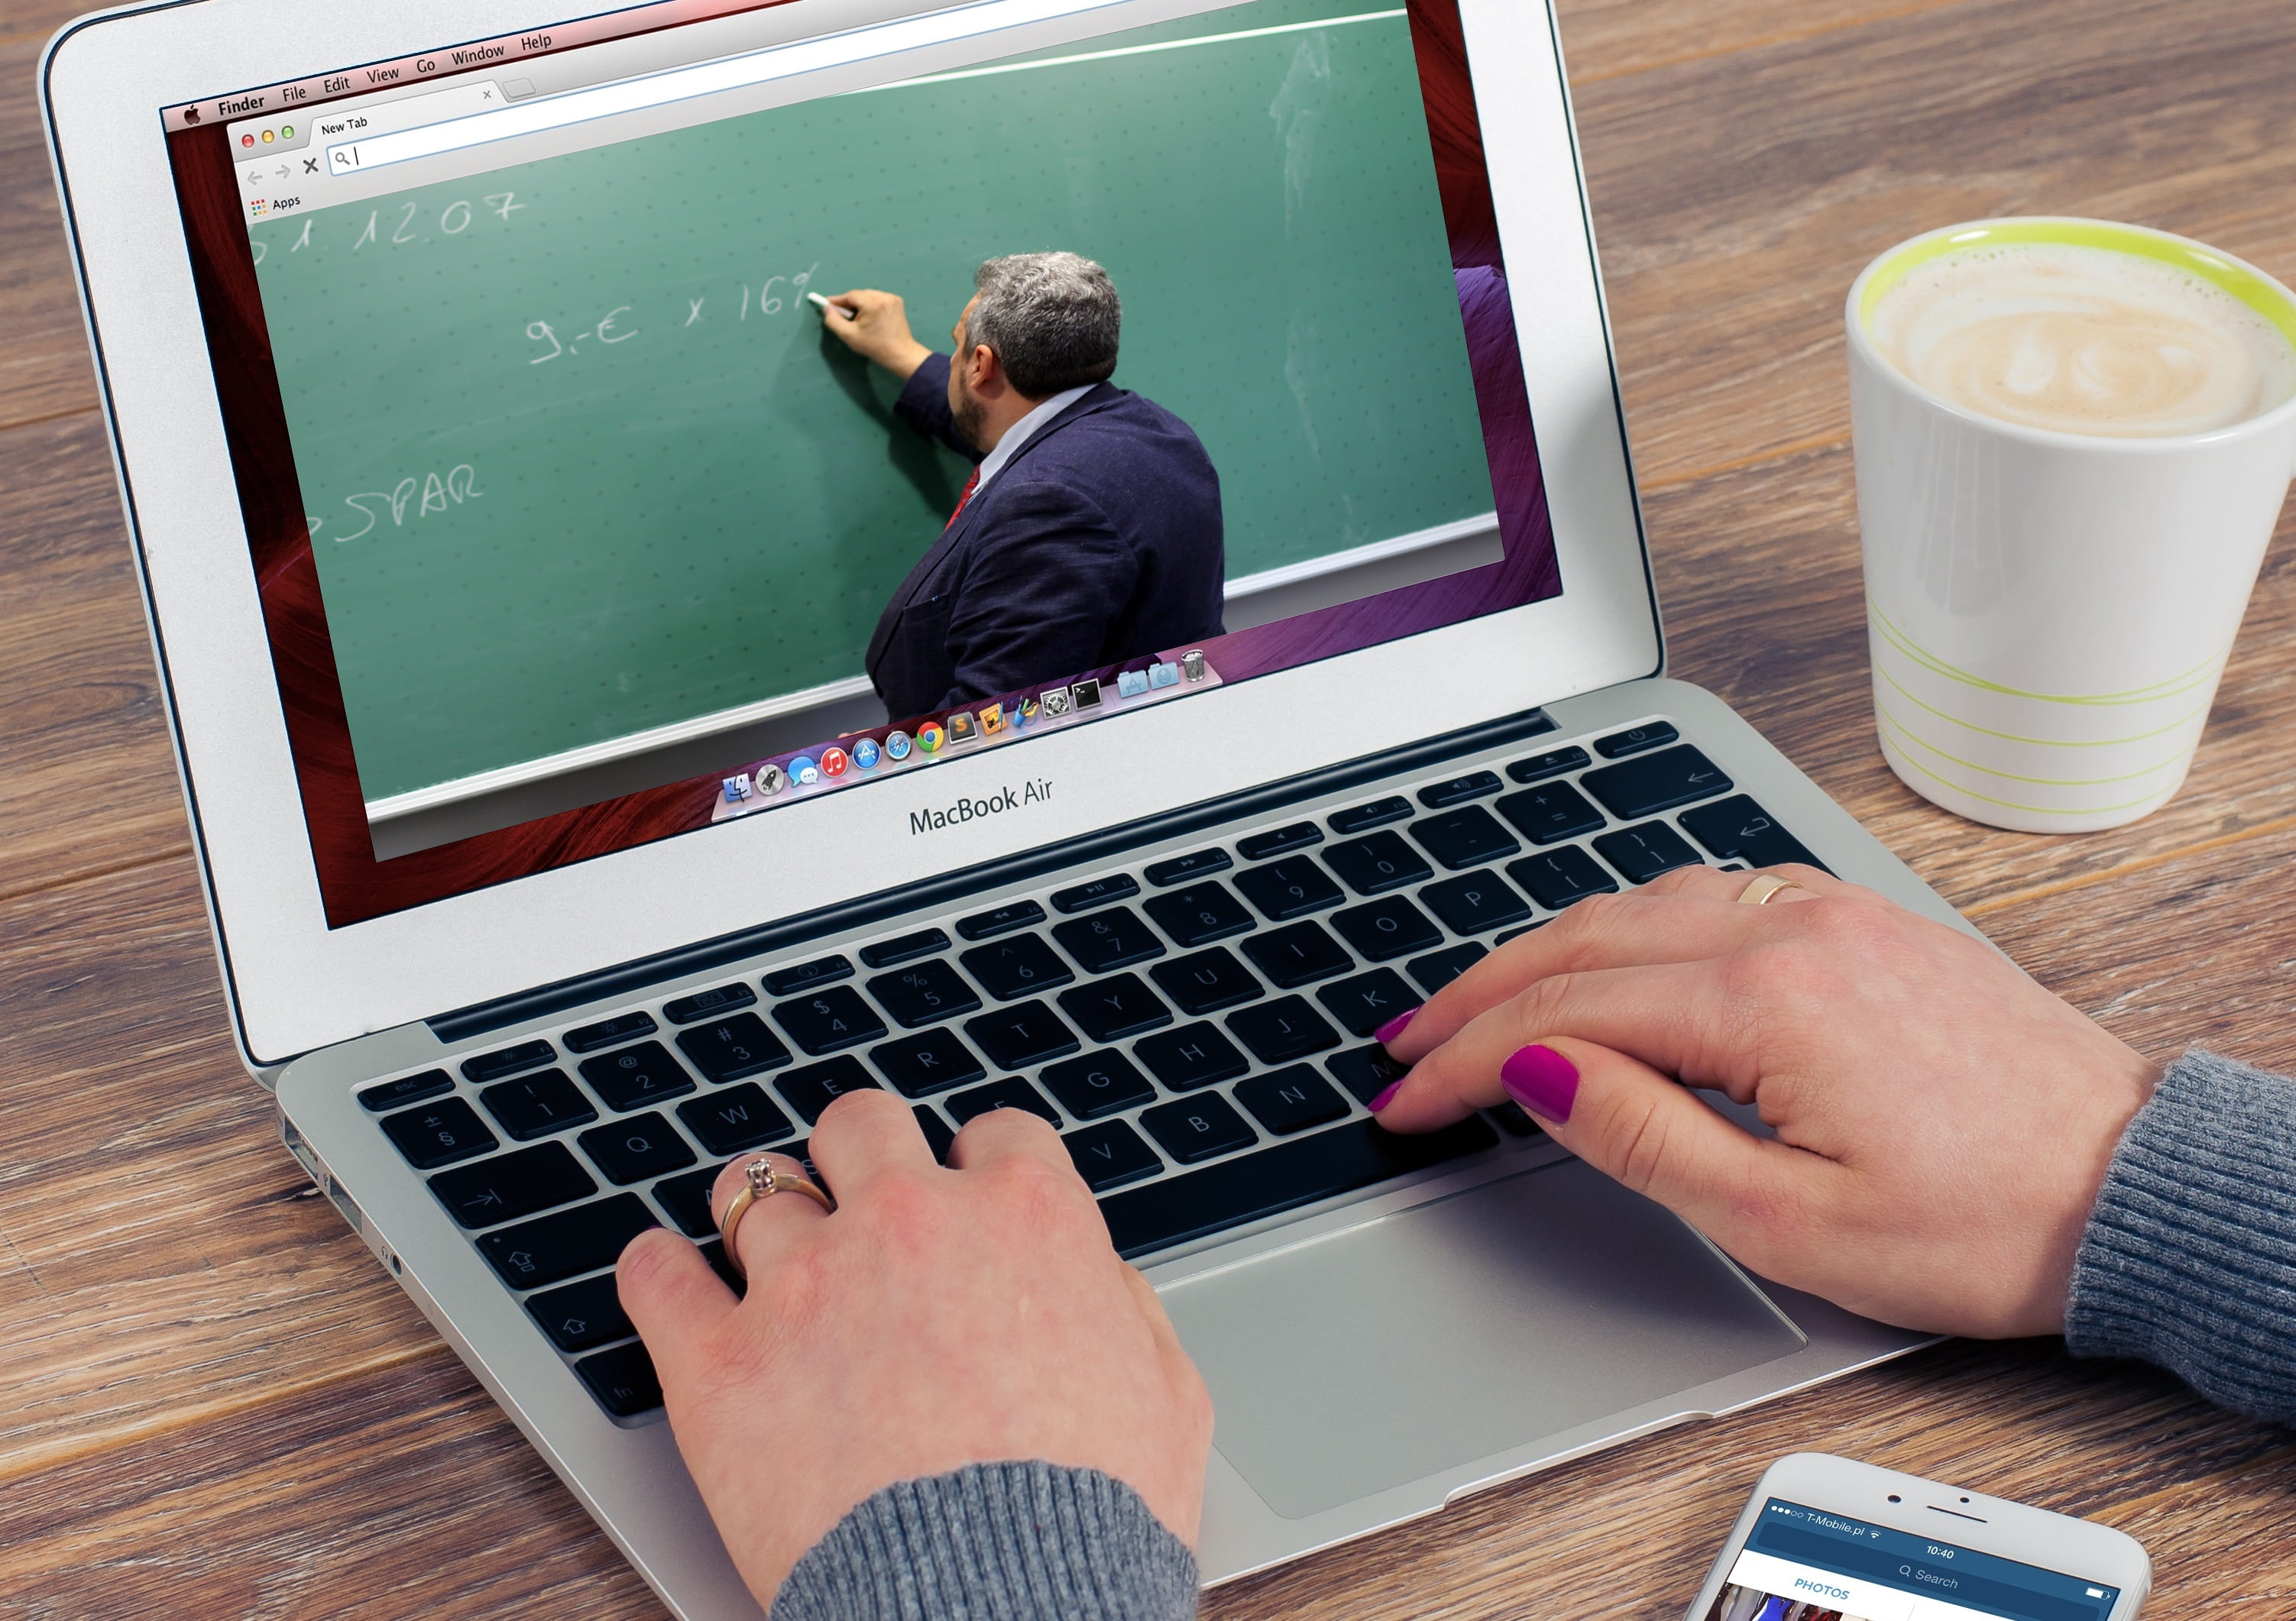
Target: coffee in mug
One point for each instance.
(2073, 440)
(2082, 339)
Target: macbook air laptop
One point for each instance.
(515, 537)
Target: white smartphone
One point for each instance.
(1830, 1539)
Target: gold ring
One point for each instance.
(1763, 889)
(764, 1179)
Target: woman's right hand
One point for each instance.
(1942, 1123)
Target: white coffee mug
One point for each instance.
(2049, 612)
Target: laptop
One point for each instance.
(512, 534)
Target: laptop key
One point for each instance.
(608, 1032)
(1297, 1171)
(1099, 892)
(815, 1087)
(1475, 904)
(1552, 764)
(493, 1066)
(1739, 828)
(407, 1089)
(623, 1380)
(577, 1241)
(1377, 864)
(738, 1117)
(1368, 1001)
(1465, 838)
(1511, 934)
(907, 948)
(1192, 1056)
(1298, 954)
(1291, 1101)
(939, 1135)
(1642, 787)
(510, 1185)
(1022, 1037)
(1199, 915)
(925, 995)
(1389, 926)
(1366, 1071)
(633, 1150)
(637, 1077)
(1642, 853)
(535, 1105)
(1000, 920)
(1021, 966)
(438, 1134)
(1557, 878)
(1656, 735)
(1287, 889)
(1097, 1083)
(1550, 814)
(732, 1049)
(1110, 1010)
(686, 1197)
(1111, 1155)
(1279, 841)
(708, 1004)
(1438, 968)
(1111, 939)
(1198, 1128)
(1010, 1093)
(1283, 1030)
(1475, 785)
(1207, 982)
(829, 1022)
(933, 1060)
(807, 975)
(1179, 869)
(1514, 1122)
(581, 1315)
(1377, 814)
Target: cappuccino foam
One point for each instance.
(2083, 340)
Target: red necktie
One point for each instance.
(970, 485)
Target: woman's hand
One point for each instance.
(942, 1317)
(1942, 1123)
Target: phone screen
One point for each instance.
(1804, 1564)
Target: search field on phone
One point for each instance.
(791, 61)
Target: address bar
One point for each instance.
(702, 79)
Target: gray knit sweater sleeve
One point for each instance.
(995, 1542)
(2189, 1259)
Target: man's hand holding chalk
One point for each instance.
(875, 326)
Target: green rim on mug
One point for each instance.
(2253, 288)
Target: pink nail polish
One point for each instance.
(1543, 1081)
(1385, 1097)
(1395, 1026)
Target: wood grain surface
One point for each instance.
(213, 1403)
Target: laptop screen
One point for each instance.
(655, 420)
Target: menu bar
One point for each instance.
(269, 101)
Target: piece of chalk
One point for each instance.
(826, 307)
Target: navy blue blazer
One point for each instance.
(1098, 540)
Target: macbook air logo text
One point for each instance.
(975, 810)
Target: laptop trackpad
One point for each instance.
(1457, 1330)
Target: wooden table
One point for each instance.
(215, 1403)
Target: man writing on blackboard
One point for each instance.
(1089, 532)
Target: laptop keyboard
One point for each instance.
(1198, 1027)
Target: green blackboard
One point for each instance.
(580, 461)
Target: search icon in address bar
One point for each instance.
(702, 79)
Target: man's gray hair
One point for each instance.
(1050, 319)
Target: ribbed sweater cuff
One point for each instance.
(2189, 1259)
(995, 1542)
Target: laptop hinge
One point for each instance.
(631, 978)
